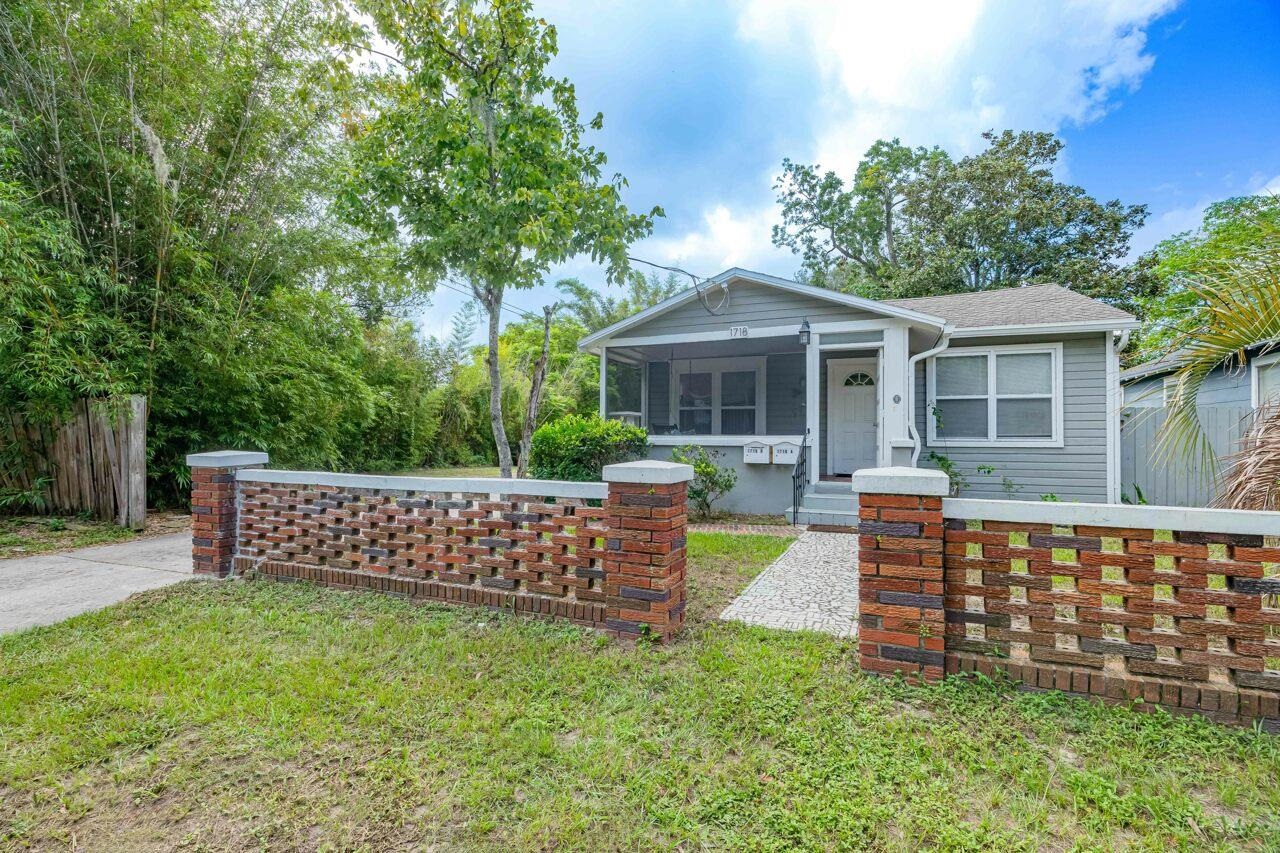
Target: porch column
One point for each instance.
(896, 443)
(604, 383)
(812, 385)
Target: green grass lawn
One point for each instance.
(475, 471)
(255, 714)
(24, 536)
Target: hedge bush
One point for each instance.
(577, 448)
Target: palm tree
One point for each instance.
(1237, 317)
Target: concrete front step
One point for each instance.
(822, 506)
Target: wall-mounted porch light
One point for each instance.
(804, 333)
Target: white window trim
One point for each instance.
(1054, 349)
(717, 366)
(1255, 378)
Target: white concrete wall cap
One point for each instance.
(652, 471)
(901, 480)
(226, 458)
(443, 485)
(1139, 517)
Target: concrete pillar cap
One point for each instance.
(901, 480)
(651, 471)
(226, 459)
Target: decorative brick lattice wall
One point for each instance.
(522, 552)
(1188, 620)
(619, 566)
(1120, 607)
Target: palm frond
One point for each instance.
(1239, 310)
(1253, 472)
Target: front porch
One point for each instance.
(774, 407)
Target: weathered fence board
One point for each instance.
(94, 460)
(1171, 480)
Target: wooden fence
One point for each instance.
(1174, 480)
(93, 461)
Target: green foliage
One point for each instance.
(914, 222)
(711, 481)
(476, 155)
(166, 180)
(578, 448)
(1232, 229)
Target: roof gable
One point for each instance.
(806, 298)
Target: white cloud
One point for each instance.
(727, 238)
(941, 73)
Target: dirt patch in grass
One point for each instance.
(23, 536)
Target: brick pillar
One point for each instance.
(647, 516)
(213, 507)
(902, 625)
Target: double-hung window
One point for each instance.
(719, 396)
(1009, 395)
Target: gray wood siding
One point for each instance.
(659, 393)
(1222, 387)
(1078, 470)
(749, 304)
(784, 394)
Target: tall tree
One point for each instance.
(1232, 229)
(916, 222)
(476, 156)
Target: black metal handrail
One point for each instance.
(800, 477)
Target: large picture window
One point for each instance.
(719, 396)
(997, 395)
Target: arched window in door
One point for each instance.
(858, 380)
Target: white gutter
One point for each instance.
(943, 342)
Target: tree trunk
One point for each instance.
(493, 304)
(535, 394)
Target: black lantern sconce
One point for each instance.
(805, 334)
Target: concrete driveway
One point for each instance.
(48, 588)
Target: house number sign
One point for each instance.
(739, 331)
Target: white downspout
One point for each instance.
(943, 342)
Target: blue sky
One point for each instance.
(1164, 103)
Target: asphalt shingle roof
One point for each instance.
(1034, 304)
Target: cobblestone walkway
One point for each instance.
(811, 587)
(760, 529)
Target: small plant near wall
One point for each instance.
(1138, 497)
(1051, 498)
(711, 481)
(959, 482)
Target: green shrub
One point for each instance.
(710, 481)
(577, 448)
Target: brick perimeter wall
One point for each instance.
(619, 567)
(1186, 620)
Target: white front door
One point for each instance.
(852, 415)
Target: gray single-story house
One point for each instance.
(797, 387)
(1226, 402)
